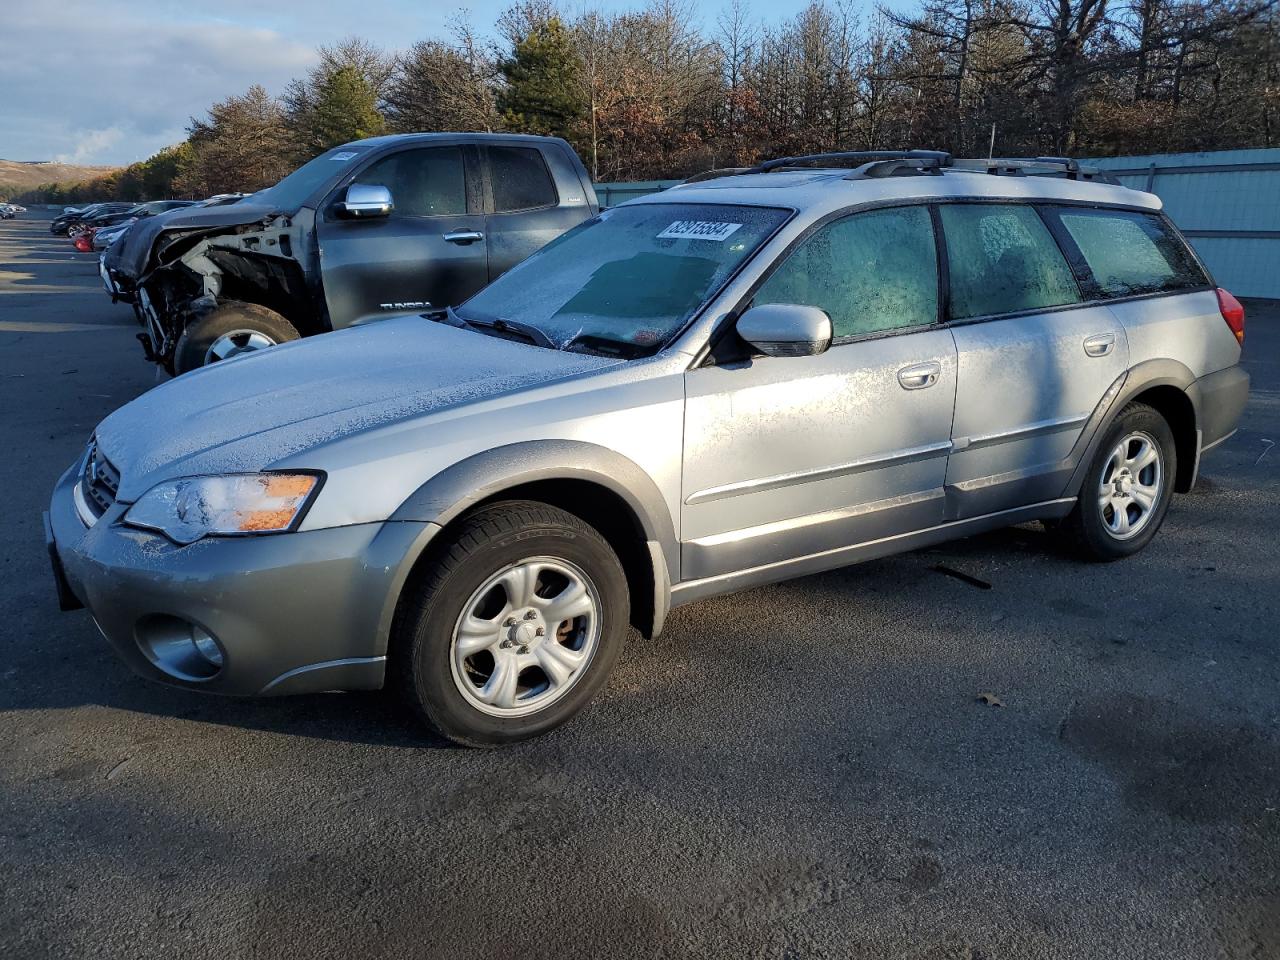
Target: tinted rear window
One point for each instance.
(520, 179)
(1131, 253)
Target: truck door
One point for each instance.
(430, 251)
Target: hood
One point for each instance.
(245, 414)
(130, 258)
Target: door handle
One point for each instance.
(920, 375)
(1100, 344)
(464, 237)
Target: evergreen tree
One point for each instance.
(543, 89)
(345, 108)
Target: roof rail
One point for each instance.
(860, 157)
(714, 174)
(1035, 167)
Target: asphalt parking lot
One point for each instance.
(803, 770)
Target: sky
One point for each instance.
(113, 81)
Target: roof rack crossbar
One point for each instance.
(857, 156)
(878, 169)
(1035, 166)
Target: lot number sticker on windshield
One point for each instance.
(344, 155)
(699, 230)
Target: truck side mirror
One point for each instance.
(366, 200)
(786, 330)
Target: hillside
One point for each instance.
(18, 176)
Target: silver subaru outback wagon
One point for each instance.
(814, 362)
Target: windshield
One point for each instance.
(290, 193)
(629, 279)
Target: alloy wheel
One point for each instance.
(1130, 485)
(235, 343)
(525, 637)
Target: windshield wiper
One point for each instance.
(607, 347)
(522, 331)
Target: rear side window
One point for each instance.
(1131, 253)
(1002, 259)
(423, 183)
(520, 180)
(870, 272)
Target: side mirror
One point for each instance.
(366, 200)
(786, 330)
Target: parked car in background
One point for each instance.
(729, 383)
(379, 226)
(135, 212)
(10, 210)
(62, 225)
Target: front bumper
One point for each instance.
(290, 613)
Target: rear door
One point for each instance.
(430, 252)
(789, 457)
(525, 208)
(1035, 360)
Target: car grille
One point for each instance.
(99, 482)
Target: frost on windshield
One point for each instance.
(634, 275)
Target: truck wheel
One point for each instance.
(231, 329)
(514, 628)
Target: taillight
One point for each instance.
(1232, 312)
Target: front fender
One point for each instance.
(458, 488)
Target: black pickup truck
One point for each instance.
(412, 222)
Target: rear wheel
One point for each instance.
(514, 628)
(228, 331)
(1126, 493)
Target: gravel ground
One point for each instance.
(802, 770)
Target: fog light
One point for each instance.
(180, 648)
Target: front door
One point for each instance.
(790, 457)
(430, 252)
(1034, 363)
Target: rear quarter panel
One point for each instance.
(1186, 327)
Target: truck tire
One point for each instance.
(519, 592)
(229, 330)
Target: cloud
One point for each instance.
(92, 144)
(112, 82)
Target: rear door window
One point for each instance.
(423, 183)
(870, 272)
(520, 180)
(1130, 253)
(1002, 259)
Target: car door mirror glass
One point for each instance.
(366, 200)
(786, 330)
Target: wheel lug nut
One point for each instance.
(530, 615)
(511, 622)
(539, 632)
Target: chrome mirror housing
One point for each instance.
(786, 330)
(367, 200)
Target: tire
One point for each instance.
(447, 687)
(231, 322)
(1121, 507)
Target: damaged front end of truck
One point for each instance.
(188, 269)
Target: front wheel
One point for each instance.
(515, 626)
(1128, 488)
(228, 331)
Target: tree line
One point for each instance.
(658, 93)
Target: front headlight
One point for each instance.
(186, 510)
